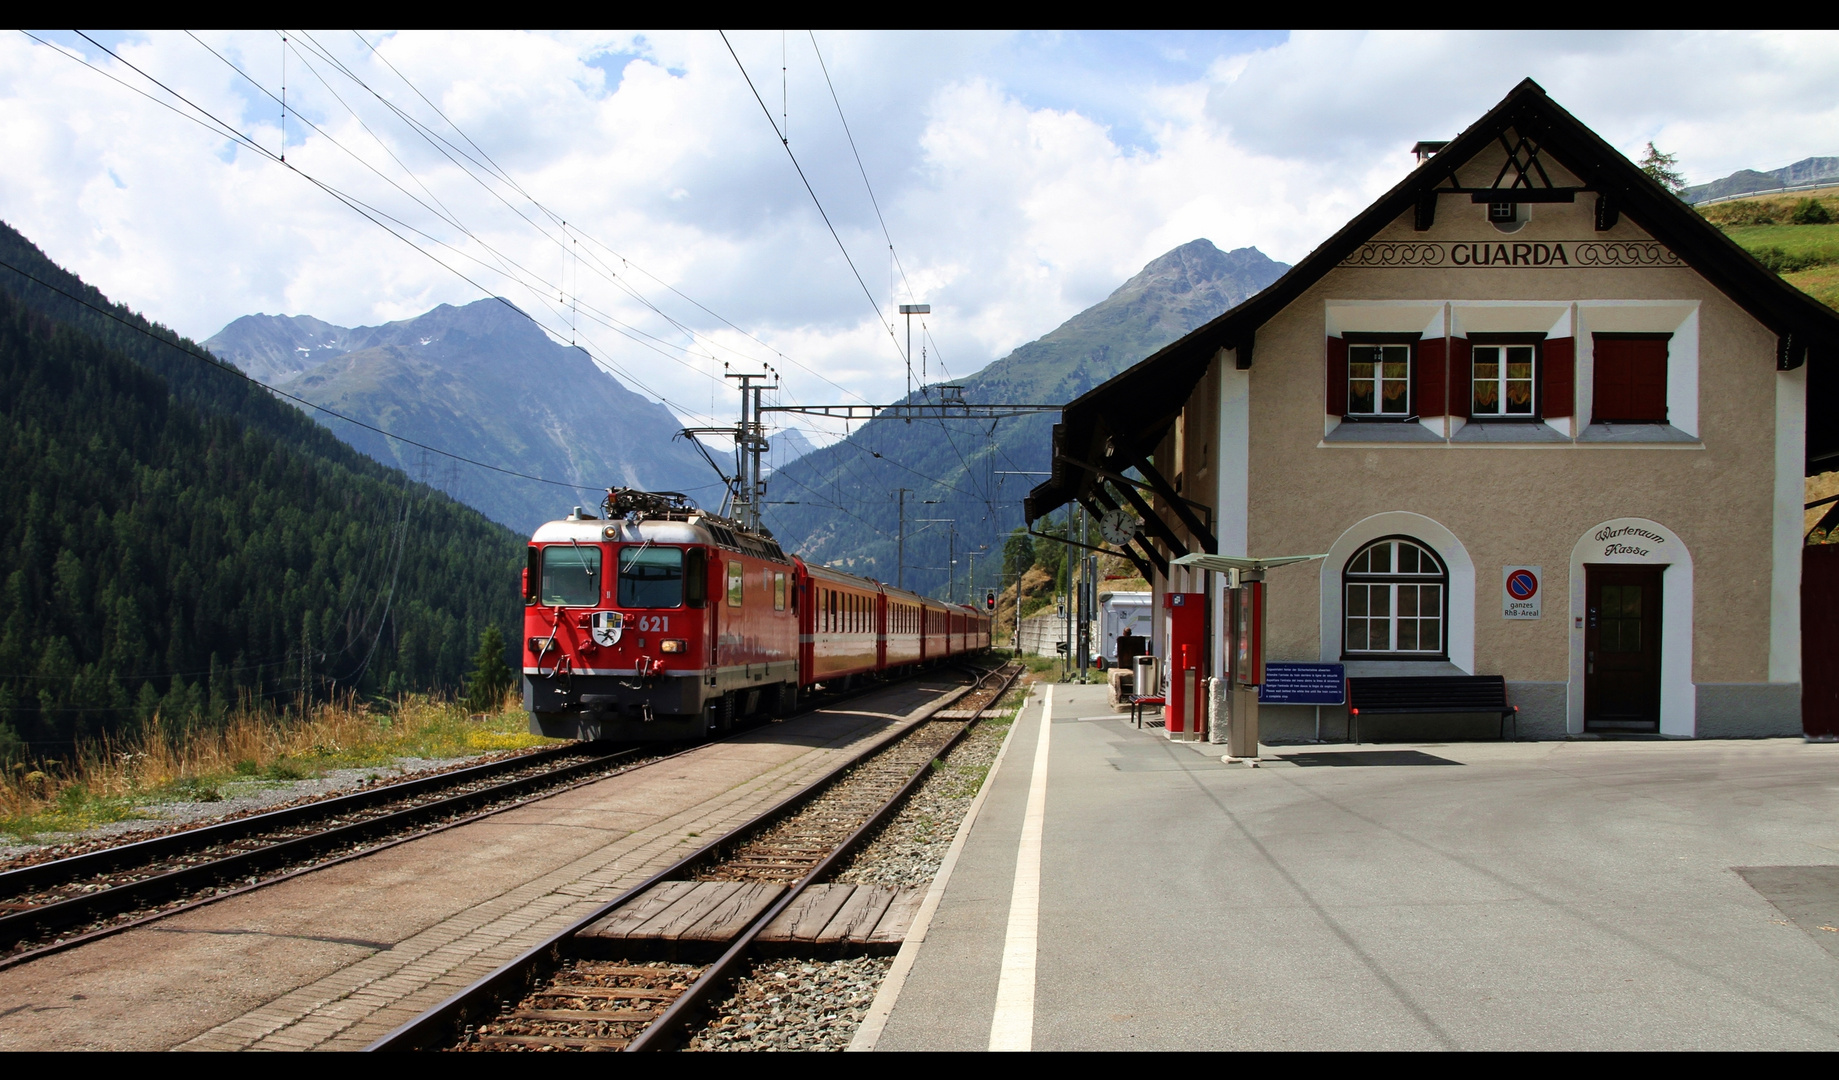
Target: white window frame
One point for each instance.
(1501, 380)
(1391, 580)
(1379, 380)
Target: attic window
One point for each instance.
(1508, 216)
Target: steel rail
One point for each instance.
(441, 1022)
(155, 888)
(88, 907)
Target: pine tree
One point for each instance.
(490, 677)
(1659, 168)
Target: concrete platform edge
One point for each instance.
(873, 1024)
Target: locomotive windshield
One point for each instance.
(571, 575)
(650, 577)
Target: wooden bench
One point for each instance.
(1440, 694)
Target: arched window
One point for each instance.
(1397, 597)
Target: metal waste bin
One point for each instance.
(1148, 678)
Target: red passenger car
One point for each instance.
(660, 621)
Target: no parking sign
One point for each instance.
(1521, 587)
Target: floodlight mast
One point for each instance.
(910, 310)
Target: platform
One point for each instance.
(1538, 895)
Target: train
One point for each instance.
(658, 621)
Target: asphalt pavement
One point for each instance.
(1539, 895)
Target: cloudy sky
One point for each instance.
(630, 190)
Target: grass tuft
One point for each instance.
(121, 778)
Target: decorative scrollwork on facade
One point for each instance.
(1397, 254)
(1567, 254)
(1625, 253)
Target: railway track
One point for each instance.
(603, 984)
(59, 904)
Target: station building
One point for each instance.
(1540, 419)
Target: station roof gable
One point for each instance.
(1133, 410)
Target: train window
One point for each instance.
(650, 576)
(778, 592)
(533, 574)
(571, 575)
(696, 577)
(737, 578)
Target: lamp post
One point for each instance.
(1019, 575)
(900, 573)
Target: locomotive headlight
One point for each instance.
(674, 644)
(540, 645)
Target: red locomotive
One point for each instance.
(660, 621)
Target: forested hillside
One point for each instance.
(174, 539)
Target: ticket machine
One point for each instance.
(1245, 655)
(1185, 630)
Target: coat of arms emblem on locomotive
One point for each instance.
(606, 626)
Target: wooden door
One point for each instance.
(1622, 648)
(1820, 641)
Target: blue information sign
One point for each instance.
(1303, 684)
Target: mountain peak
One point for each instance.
(480, 379)
(1198, 263)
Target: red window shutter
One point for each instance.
(1428, 378)
(1461, 377)
(1337, 376)
(1559, 378)
(1630, 385)
(1649, 380)
(1609, 387)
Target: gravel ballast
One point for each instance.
(796, 1005)
(800, 1004)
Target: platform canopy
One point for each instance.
(1221, 564)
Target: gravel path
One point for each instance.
(796, 1004)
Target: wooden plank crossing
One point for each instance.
(856, 919)
(673, 913)
(849, 919)
(691, 917)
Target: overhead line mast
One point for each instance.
(747, 488)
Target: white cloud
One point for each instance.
(1022, 176)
